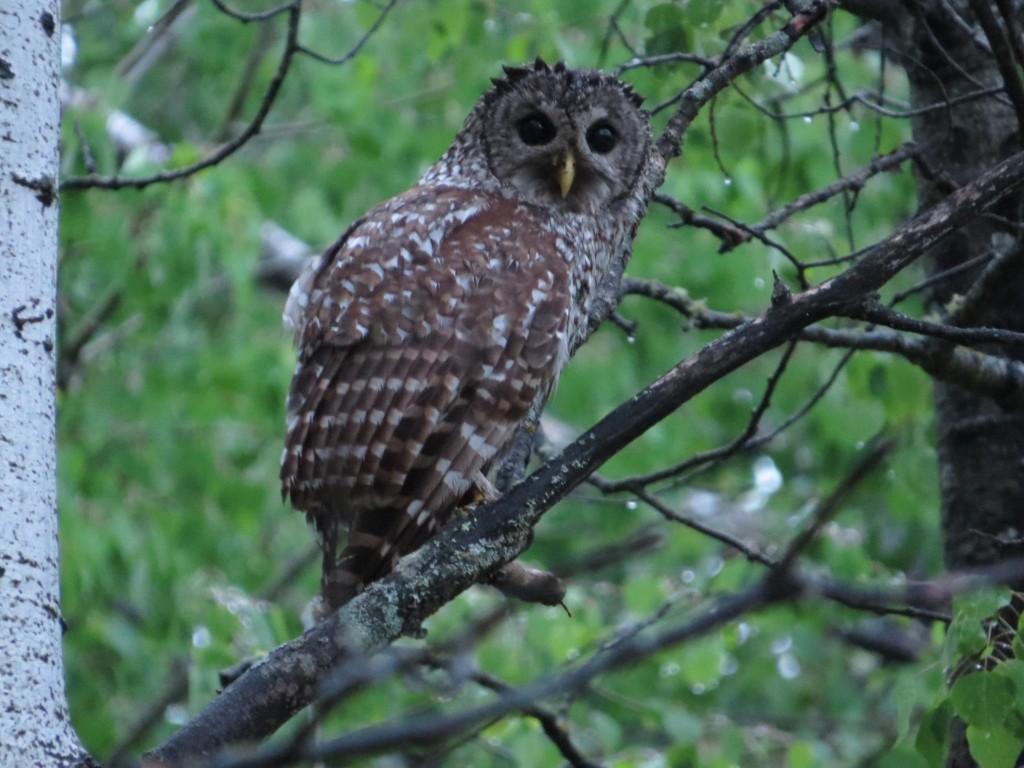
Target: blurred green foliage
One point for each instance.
(171, 418)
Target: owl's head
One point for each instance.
(562, 138)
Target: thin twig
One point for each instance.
(852, 181)
(939, 277)
(548, 720)
(355, 49)
(175, 689)
(879, 314)
(427, 729)
(1002, 272)
(739, 443)
(257, 53)
(984, 373)
(94, 181)
(829, 507)
(667, 58)
(778, 586)
(258, 16)
(728, 234)
(1003, 55)
(1014, 27)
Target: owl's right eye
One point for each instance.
(536, 129)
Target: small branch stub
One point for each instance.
(781, 295)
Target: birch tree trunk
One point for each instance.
(34, 725)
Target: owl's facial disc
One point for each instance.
(552, 158)
(564, 140)
(535, 153)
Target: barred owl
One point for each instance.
(431, 327)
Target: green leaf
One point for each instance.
(700, 12)
(933, 733)
(1018, 643)
(800, 755)
(966, 633)
(983, 699)
(668, 30)
(1013, 670)
(682, 726)
(701, 663)
(644, 594)
(682, 755)
(914, 693)
(903, 756)
(993, 748)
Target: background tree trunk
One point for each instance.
(34, 719)
(980, 441)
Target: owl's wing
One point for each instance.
(294, 315)
(426, 338)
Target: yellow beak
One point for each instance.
(566, 172)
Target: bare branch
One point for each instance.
(829, 507)
(879, 314)
(988, 374)
(629, 648)
(854, 181)
(94, 181)
(667, 58)
(669, 144)
(355, 49)
(259, 16)
(548, 720)
(428, 729)
(730, 235)
(1003, 55)
(1003, 270)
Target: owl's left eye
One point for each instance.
(601, 137)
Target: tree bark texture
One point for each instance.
(34, 725)
(980, 439)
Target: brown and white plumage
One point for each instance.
(428, 331)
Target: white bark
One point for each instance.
(34, 725)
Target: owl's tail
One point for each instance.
(377, 539)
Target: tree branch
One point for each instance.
(291, 47)
(669, 144)
(635, 644)
(1003, 55)
(989, 374)
(853, 181)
